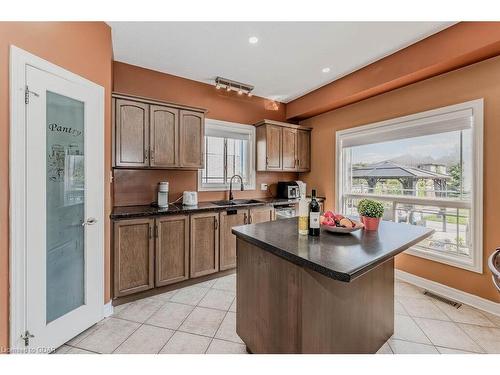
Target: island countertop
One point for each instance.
(341, 257)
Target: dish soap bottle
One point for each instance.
(314, 215)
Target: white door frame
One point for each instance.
(19, 59)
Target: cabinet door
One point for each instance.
(192, 136)
(289, 148)
(273, 147)
(261, 214)
(133, 256)
(204, 244)
(131, 134)
(172, 249)
(229, 219)
(164, 136)
(304, 150)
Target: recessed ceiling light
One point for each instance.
(325, 70)
(253, 40)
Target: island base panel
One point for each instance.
(285, 308)
(267, 310)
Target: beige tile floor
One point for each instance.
(202, 319)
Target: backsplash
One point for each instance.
(137, 187)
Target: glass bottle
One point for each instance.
(314, 215)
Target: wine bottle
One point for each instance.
(314, 215)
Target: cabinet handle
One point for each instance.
(156, 231)
(146, 154)
(216, 224)
(150, 232)
(250, 219)
(267, 160)
(245, 218)
(152, 155)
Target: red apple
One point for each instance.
(329, 214)
(329, 221)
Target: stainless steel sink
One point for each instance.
(236, 202)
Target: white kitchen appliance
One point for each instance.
(302, 188)
(190, 198)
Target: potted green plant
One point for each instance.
(370, 212)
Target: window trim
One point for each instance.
(234, 128)
(475, 261)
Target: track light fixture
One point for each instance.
(230, 85)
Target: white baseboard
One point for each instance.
(108, 309)
(449, 292)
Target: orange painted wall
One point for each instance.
(134, 80)
(81, 47)
(457, 46)
(472, 82)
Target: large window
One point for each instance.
(229, 150)
(426, 169)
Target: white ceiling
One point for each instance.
(286, 62)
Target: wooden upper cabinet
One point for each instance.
(204, 244)
(303, 150)
(133, 256)
(149, 134)
(192, 131)
(261, 214)
(164, 136)
(283, 147)
(227, 251)
(172, 249)
(273, 147)
(289, 146)
(131, 134)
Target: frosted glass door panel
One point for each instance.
(65, 205)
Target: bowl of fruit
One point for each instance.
(338, 223)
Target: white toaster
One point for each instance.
(190, 198)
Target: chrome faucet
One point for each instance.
(231, 186)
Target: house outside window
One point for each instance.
(426, 169)
(229, 150)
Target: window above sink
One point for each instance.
(229, 150)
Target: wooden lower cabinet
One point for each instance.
(204, 244)
(133, 256)
(171, 249)
(261, 214)
(152, 252)
(227, 249)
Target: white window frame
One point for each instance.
(408, 125)
(232, 127)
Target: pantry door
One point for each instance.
(63, 210)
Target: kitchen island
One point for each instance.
(327, 294)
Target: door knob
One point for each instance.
(90, 221)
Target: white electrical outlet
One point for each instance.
(263, 187)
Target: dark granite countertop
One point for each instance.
(339, 256)
(129, 212)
